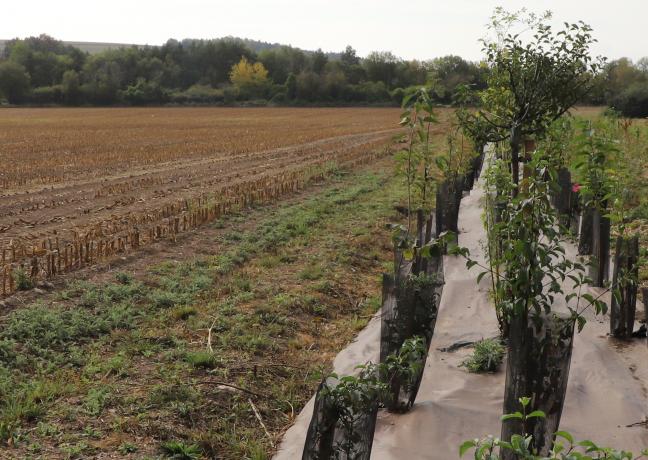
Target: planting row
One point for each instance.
(23, 265)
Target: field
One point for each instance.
(83, 185)
(170, 345)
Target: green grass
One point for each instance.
(130, 357)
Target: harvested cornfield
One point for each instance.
(80, 186)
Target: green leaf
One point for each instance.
(515, 415)
(581, 322)
(566, 435)
(589, 445)
(536, 413)
(466, 446)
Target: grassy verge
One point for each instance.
(172, 362)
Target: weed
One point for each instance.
(164, 394)
(164, 299)
(45, 332)
(203, 359)
(126, 448)
(178, 450)
(270, 261)
(47, 430)
(124, 278)
(183, 313)
(486, 357)
(325, 287)
(242, 283)
(92, 432)
(96, 400)
(73, 451)
(312, 272)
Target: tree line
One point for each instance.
(45, 71)
(42, 70)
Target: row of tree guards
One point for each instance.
(342, 425)
(593, 227)
(540, 347)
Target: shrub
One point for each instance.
(633, 101)
(22, 280)
(486, 357)
(199, 94)
(47, 95)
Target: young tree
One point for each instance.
(249, 77)
(14, 82)
(319, 60)
(535, 81)
(71, 87)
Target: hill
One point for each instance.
(98, 47)
(89, 47)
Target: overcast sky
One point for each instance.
(420, 29)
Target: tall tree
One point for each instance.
(14, 82)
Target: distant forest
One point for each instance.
(230, 71)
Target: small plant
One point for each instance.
(351, 398)
(183, 313)
(22, 280)
(164, 299)
(96, 400)
(522, 446)
(311, 272)
(486, 357)
(126, 448)
(401, 372)
(203, 359)
(416, 160)
(124, 278)
(178, 450)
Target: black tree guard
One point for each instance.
(335, 434)
(600, 260)
(624, 282)
(539, 356)
(586, 232)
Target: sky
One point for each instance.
(411, 29)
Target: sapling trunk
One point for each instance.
(515, 157)
(624, 282)
(539, 356)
